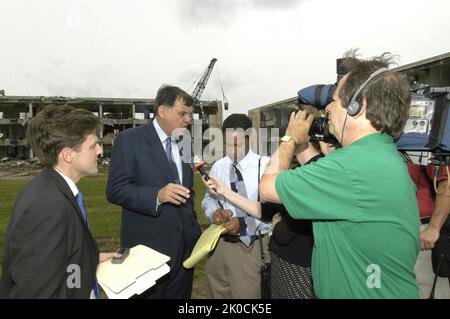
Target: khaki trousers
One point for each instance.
(232, 271)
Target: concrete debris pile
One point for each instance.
(14, 168)
(7, 162)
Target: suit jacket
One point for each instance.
(138, 169)
(49, 251)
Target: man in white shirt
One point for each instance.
(232, 271)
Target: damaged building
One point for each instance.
(117, 114)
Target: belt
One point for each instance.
(235, 239)
(231, 238)
(425, 220)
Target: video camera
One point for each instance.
(318, 96)
(428, 126)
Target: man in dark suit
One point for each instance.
(49, 251)
(155, 189)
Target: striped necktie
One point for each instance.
(238, 186)
(80, 202)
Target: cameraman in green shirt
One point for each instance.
(360, 197)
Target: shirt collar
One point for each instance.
(378, 137)
(161, 134)
(248, 159)
(69, 182)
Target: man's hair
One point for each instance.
(58, 126)
(167, 95)
(388, 94)
(235, 121)
(310, 109)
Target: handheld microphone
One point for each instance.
(201, 170)
(198, 164)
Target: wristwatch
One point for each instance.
(288, 139)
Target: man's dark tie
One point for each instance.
(80, 202)
(238, 186)
(172, 164)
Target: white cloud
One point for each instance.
(266, 50)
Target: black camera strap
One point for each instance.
(261, 249)
(317, 94)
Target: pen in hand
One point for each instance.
(225, 218)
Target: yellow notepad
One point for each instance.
(206, 243)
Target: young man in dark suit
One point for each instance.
(155, 189)
(49, 251)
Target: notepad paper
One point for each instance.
(138, 272)
(206, 243)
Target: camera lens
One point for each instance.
(319, 127)
(282, 116)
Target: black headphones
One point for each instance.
(354, 107)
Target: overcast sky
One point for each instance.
(266, 49)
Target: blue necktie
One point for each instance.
(172, 164)
(80, 202)
(238, 186)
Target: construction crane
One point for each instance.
(201, 84)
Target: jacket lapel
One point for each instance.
(61, 184)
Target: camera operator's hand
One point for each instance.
(299, 125)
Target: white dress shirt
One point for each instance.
(73, 187)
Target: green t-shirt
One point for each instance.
(365, 219)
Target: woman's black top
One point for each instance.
(292, 239)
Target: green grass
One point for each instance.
(8, 193)
(104, 217)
